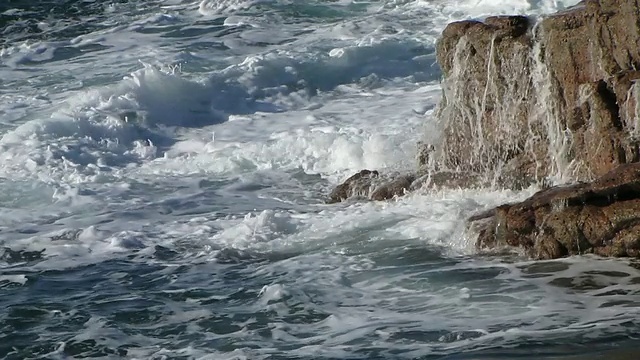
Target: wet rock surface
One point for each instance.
(602, 217)
(371, 185)
(559, 99)
(358, 184)
(531, 102)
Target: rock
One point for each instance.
(439, 180)
(525, 101)
(396, 187)
(356, 185)
(371, 185)
(528, 102)
(602, 217)
(538, 102)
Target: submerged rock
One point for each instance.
(371, 185)
(602, 217)
(356, 185)
(396, 187)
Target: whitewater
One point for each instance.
(164, 167)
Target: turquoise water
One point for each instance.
(163, 170)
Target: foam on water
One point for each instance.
(126, 122)
(221, 7)
(448, 11)
(163, 184)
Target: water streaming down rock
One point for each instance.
(526, 101)
(487, 90)
(554, 101)
(545, 101)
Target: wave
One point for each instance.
(142, 116)
(218, 7)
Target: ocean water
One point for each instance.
(163, 170)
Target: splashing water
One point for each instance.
(164, 166)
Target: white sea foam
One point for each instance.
(213, 173)
(116, 125)
(219, 7)
(19, 279)
(273, 81)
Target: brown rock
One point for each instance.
(371, 185)
(522, 103)
(451, 180)
(602, 217)
(397, 187)
(356, 185)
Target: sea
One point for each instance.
(164, 167)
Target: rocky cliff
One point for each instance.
(526, 100)
(553, 100)
(540, 101)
